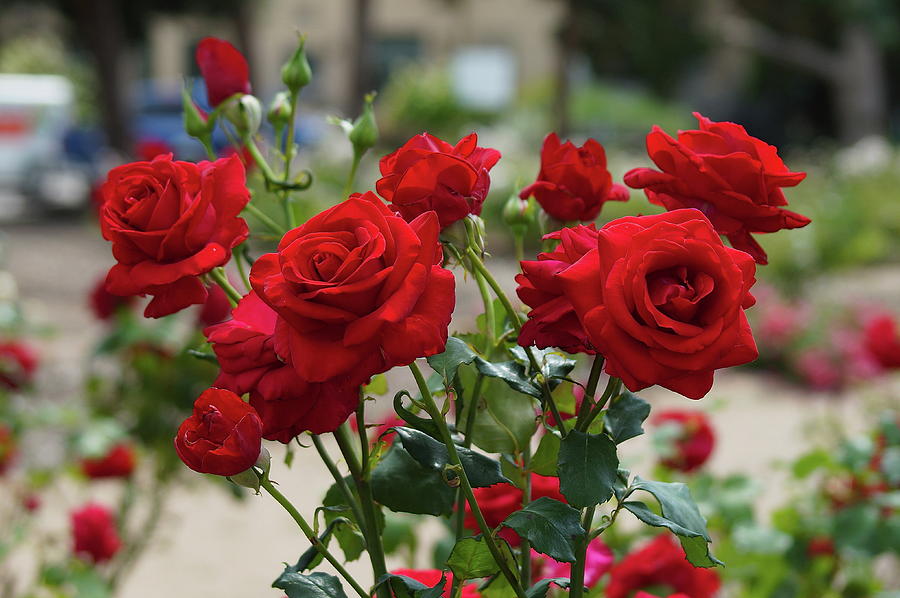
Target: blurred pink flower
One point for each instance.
(599, 560)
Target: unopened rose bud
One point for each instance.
(296, 73)
(518, 214)
(245, 114)
(196, 122)
(280, 110)
(364, 134)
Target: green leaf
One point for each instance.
(312, 557)
(314, 585)
(890, 465)
(625, 415)
(856, 527)
(407, 587)
(504, 419)
(545, 458)
(456, 353)
(348, 535)
(587, 468)
(419, 423)
(401, 484)
(539, 590)
(498, 587)
(810, 462)
(680, 515)
(471, 558)
(480, 469)
(550, 525)
(512, 373)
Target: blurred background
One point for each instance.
(86, 85)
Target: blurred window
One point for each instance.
(484, 77)
(392, 53)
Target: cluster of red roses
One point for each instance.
(362, 287)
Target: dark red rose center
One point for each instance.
(326, 265)
(678, 293)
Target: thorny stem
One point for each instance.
(612, 390)
(338, 478)
(218, 275)
(435, 413)
(311, 535)
(576, 583)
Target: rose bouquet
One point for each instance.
(511, 433)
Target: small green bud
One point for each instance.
(196, 122)
(245, 113)
(364, 134)
(247, 479)
(518, 214)
(280, 110)
(296, 73)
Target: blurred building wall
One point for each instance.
(436, 28)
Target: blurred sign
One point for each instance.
(484, 77)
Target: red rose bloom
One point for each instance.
(429, 174)
(104, 304)
(882, 341)
(117, 463)
(216, 308)
(149, 148)
(94, 533)
(695, 440)
(8, 448)
(499, 501)
(820, 546)
(223, 68)
(573, 183)
(18, 363)
(660, 563)
(733, 178)
(358, 291)
(552, 321)
(431, 577)
(287, 404)
(169, 222)
(662, 299)
(222, 437)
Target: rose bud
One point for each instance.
(222, 437)
(18, 363)
(296, 73)
(693, 438)
(364, 134)
(118, 462)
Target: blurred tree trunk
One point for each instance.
(567, 42)
(362, 59)
(101, 27)
(855, 70)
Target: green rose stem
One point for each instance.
(367, 503)
(265, 219)
(288, 158)
(612, 390)
(348, 186)
(590, 390)
(338, 478)
(432, 409)
(525, 546)
(515, 318)
(219, 277)
(576, 582)
(311, 535)
(239, 260)
(264, 167)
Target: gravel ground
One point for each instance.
(211, 545)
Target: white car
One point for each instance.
(35, 116)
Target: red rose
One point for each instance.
(216, 308)
(18, 363)
(733, 178)
(31, 502)
(222, 437)
(552, 321)
(223, 68)
(694, 441)
(573, 183)
(662, 299)
(8, 449)
(429, 174)
(882, 341)
(117, 463)
(820, 546)
(358, 291)
(169, 222)
(660, 563)
(94, 533)
(286, 404)
(499, 501)
(648, 595)
(149, 148)
(104, 304)
(431, 577)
